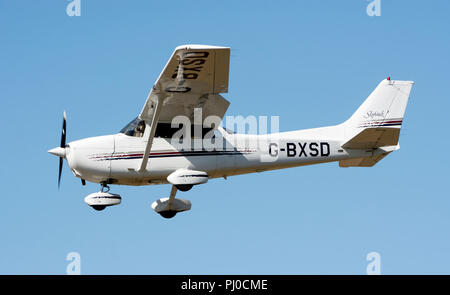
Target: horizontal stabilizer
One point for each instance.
(371, 138)
(362, 162)
(377, 155)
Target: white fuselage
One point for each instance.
(115, 159)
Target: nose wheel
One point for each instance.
(102, 199)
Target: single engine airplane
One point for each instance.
(151, 149)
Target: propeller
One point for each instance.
(62, 145)
(61, 150)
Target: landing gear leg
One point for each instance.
(104, 187)
(169, 213)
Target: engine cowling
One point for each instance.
(101, 200)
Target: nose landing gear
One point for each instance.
(104, 188)
(102, 199)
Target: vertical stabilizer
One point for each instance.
(382, 110)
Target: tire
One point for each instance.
(184, 187)
(168, 214)
(99, 207)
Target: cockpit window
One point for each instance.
(135, 128)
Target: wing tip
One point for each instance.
(199, 46)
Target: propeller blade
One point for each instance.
(60, 171)
(63, 145)
(63, 134)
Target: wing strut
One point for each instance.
(151, 134)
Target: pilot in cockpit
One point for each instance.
(134, 128)
(139, 130)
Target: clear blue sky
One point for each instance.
(310, 62)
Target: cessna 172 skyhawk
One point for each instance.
(144, 152)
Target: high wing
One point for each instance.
(192, 78)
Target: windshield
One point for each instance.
(134, 128)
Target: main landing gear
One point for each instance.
(169, 207)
